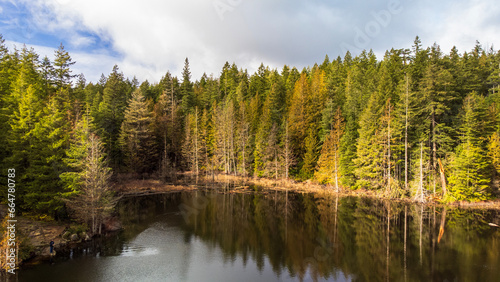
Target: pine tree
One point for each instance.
(329, 160)
(75, 157)
(109, 114)
(243, 138)
(90, 195)
(297, 115)
(263, 153)
(287, 157)
(167, 128)
(9, 66)
(311, 155)
(62, 71)
(191, 148)
(369, 164)
(38, 140)
(47, 72)
(136, 135)
(386, 131)
(187, 92)
(470, 178)
(494, 152)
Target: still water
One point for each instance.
(213, 236)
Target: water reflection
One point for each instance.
(363, 239)
(214, 236)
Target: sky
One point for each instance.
(147, 38)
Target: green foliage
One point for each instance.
(136, 135)
(108, 113)
(329, 160)
(370, 146)
(278, 124)
(470, 178)
(311, 155)
(75, 157)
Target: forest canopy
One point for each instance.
(418, 122)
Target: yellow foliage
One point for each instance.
(494, 151)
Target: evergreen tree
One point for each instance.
(62, 71)
(89, 188)
(38, 140)
(470, 178)
(494, 153)
(329, 161)
(262, 140)
(136, 136)
(369, 163)
(297, 115)
(191, 148)
(48, 73)
(109, 114)
(187, 93)
(311, 155)
(243, 138)
(9, 66)
(75, 157)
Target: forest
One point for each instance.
(418, 123)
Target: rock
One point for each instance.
(84, 236)
(66, 235)
(74, 237)
(112, 224)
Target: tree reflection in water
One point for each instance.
(301, 236)
(361, 238)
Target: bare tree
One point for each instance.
(94, 199)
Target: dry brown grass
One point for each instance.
(188, 181)
(135, 187)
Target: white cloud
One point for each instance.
(468, 21)
(151, 37)
(91, 65)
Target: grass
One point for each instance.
(126, 185)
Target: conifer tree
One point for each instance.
(9, 66)
(311, 155)
(297, 115)
(243, 138)
(167, 128)
(494, 153)
(136, 135)
(287, 157)
(62, 64)
(110, 114)
(38, 140)
(369, 163)
(192, 147)
(329, 160)
(88, 188)
(470, 178)
(187, 92)
(47, 72)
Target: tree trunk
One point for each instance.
(406, 135)
(389, 150)
(443, 177)
(421, 188)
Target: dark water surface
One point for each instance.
(210, 236)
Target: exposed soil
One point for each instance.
(41, 233)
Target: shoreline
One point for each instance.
(39, 233)
(127, 187)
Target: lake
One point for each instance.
(271, 236)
